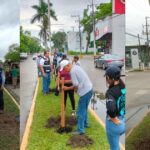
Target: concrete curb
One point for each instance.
(29, 121)
(13, 99)
(93, 113)
(136, 125)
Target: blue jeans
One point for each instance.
(46, 83)
(114, 132)
(82, 111)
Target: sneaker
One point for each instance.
(73, 113)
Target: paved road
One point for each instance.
(138, 97)
(28, 78)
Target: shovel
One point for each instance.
(63, 128)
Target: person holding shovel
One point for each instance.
(64, 74)
(83, 85)
(115, 104)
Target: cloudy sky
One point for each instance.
(63, 8)
(136, 10)
(9, 24)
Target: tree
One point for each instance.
(42, 16)
(28, 43)
(13, 53)
(87, 26)
(104, 10)
(59, 40)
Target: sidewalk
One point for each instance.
(14, 92)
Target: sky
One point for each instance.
(136, 10)
(9, 25)
(63, 8)
(11, 10)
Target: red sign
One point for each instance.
(119, 6)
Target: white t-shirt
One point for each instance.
(81, 80)
(42, 60)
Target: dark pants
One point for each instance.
(1, 100)
(71, 96)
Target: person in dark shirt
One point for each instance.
(115, 104)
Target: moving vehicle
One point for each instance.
(108, 59)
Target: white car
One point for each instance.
(23, 55)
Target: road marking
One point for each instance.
(13, 99)
(141, 92)
(29, 121)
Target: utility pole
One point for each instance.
(139, 46)
(79, 20)
(147, 33)
(93, 20)
(49, 24)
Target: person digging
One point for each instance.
(84, 87)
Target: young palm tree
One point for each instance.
(42, 16)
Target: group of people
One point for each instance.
(76, 79)
(7, 77)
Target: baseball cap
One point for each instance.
(63, 64)
(113, 72)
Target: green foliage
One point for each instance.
(78, 53)
(59, 40)
(104, 10)
(42, 17)
(28, 43)
(13, 53)
(87, 24)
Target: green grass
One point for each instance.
(9, 137)
(78, 53)
(140, 133)
(42, 138)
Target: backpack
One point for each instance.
(121, 103)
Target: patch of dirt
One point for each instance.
(77, 141)
(9, 131)
(142, 144)
(54, 122)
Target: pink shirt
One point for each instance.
(64, 74)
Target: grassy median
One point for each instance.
(42, 138)
(140, 136)
(9, 128)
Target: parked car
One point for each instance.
(109, 59)
(23, 55)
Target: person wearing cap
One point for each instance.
(45, 66)
(115, 104)
(2, 82)
(84, 87)
(64, 74)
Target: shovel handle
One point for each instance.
(62, 106)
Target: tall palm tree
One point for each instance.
(42, 16)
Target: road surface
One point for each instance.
(28, 78)
(138, 97)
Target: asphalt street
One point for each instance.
(138, 97)
(28, 78)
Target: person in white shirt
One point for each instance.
(45, 66)
(76, 61)
(82, 83)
